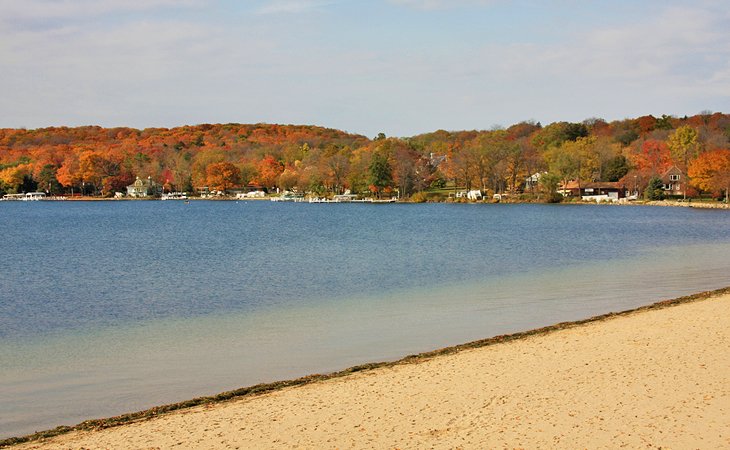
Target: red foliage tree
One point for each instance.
(654, 158)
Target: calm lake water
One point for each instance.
(112, 307)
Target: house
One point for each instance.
(533, 181)
(673, 181)
(251, 188)
(435, 160)
(614, 190)
(569, 188)
(143, 188)
(611, 190)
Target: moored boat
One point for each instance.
(174, 196)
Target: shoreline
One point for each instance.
(698, 204)
(256, 391)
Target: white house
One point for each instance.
(142, 188)
(533, 181)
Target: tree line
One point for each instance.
(101, 161)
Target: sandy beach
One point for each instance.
(648, 379)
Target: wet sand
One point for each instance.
(652, 378)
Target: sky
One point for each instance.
(401, 67)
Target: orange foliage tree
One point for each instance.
(68, 174)
(711, 171)
(223, 176)
(269, 171)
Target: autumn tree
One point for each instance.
(568, 160)
(179, 167)
(425, 174)
(312, 179)
(503, 159)
(557, 133)
(711, 171)
(357, 174)
(223, 176)
(249, 172)
(117, 183)
(602, 153)
(684, 145)
(523, 129)
(288, 179)
(407, 170)
(514, 159)
(295, 152)
(68, 174)
(269, 170)
(94, 168)
(18, 178)
(338, 165)
(646, 123)
(200, 162)
(481, 155)
(533, 160)
(460, 164)
(625, 132)
(654, 157)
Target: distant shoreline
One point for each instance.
(256, 391)
(664, 203)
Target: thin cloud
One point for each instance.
(442, 4)
(13, 10)
(291, 6)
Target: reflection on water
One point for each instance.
(130, 305)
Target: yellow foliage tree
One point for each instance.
(683, 145)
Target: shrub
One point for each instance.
(419, 197)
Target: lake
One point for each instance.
(113, 307)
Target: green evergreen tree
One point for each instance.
(654, 190)
(381, 174)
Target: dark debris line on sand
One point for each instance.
(259, 389)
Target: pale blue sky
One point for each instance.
(402, 67)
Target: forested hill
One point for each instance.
(111, 158)
(230, 136)
(102, 161)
